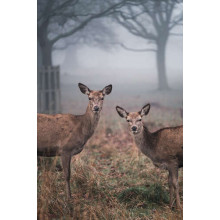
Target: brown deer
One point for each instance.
(65, 134)
(164, 147)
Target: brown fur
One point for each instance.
(164, 147)
(65, 134)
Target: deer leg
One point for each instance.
(38, 162)
(176, 188)
(171, 189)
(66, 168)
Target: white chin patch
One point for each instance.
(134, 132)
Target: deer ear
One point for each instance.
(107, 90)
(84, 89)
(121, 112)
(145, 110)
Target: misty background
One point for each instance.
(107, 51)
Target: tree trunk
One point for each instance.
(161, 66)
(47, 55)
(45, 46)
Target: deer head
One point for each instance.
(96, 98)
(134, 119)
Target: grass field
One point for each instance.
(110, 178)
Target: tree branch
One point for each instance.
(176, 34)
(176, 21)
(136, 50)
(126, 22)
(86, 21)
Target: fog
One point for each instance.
(132, 74)
(117, 65)
(112, 50)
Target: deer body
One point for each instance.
(65, 134)
(164, 147)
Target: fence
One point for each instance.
(48, 90)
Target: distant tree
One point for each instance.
(96, 34)
(152, 20)
(60, 19)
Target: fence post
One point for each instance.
(48, 94)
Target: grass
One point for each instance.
(110, 178)
(152, 194)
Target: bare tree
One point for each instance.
(59, 19)
(152, 20)
(97, 34)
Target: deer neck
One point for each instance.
(91, 120)
(145, 141)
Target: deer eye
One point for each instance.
(128, 120)
(102, 98)
(90, 98)
(139, 120)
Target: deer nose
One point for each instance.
(134, 128)
(96, 108)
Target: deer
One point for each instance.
(65, 135)
(164, 147)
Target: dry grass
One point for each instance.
(110, 178)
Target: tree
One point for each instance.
(60, 19)
(152, 20)
(97, 34)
